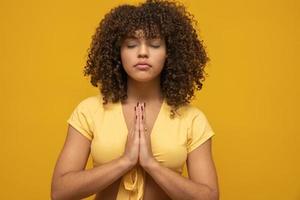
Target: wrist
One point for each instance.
(125, 162)
(151, 165)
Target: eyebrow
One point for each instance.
(136, 38)
(132, 37)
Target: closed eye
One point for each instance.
(131, 46)
(155, 46)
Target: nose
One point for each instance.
(143, 50)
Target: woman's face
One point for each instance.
(142, 59)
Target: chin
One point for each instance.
(141, 78)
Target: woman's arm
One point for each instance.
(71, 180)
(202, 185)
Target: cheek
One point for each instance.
(127, 58)
(160, 58)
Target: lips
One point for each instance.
(142, 67)
(142, 64)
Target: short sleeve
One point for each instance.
(81, 120)
(199, 132)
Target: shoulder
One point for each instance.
(91, 100)
(91, 103)
(189, 112)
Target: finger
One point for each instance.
(144, 117)
(136, 125)
(132, 127)
(145, 124)
(135, 115)
(139, 118)
(142, 125)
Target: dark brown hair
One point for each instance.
(183, 71)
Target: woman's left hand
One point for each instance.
(146, 157)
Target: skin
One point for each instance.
(143, 86)
(138, 150)
(72, 181)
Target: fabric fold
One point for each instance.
(132, 185)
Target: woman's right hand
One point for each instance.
(131, 153)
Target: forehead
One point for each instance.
(140, 34)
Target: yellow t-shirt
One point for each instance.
(171, 139)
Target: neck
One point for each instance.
(143, 91)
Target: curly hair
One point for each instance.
(183, 70)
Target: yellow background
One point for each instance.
(250, 96)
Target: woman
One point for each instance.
(140, 129)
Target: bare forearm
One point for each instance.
(178, 187)
(78, 185)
